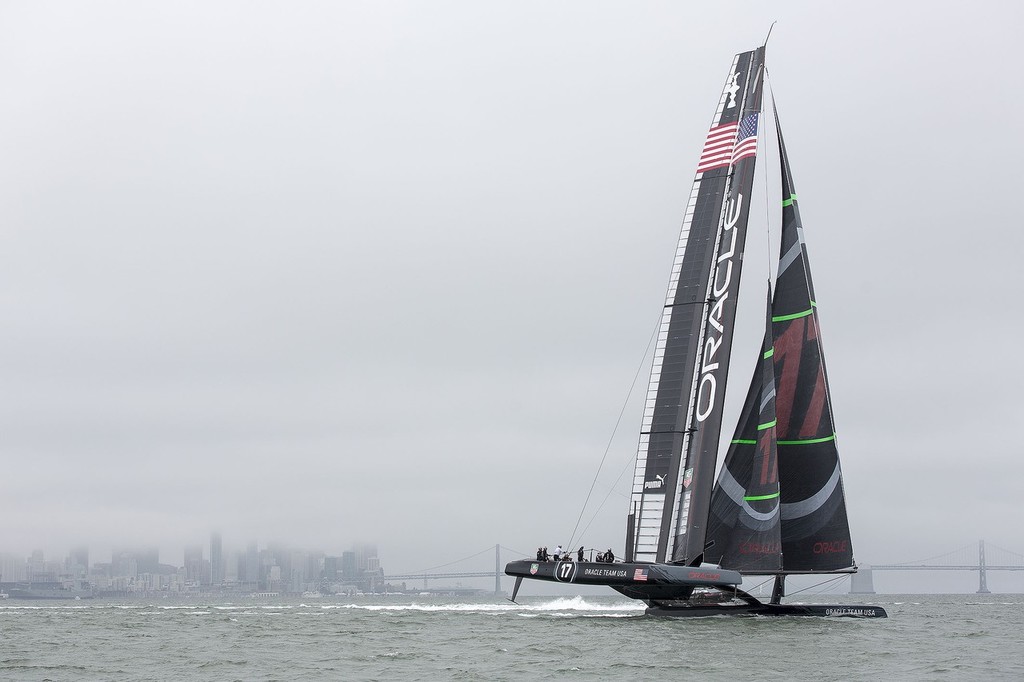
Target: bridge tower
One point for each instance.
(982, 580)
(861, 582)
(497, 570)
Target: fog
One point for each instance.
(385, 272)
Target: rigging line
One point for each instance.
(816, 585)
(762, 583)
(767, 195)
(467, 558)
(514, 551)
(611, 489)
(606, 496)
(937, 556)
(629, 394)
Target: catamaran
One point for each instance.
(777, 507)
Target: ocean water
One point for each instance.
(926, 637)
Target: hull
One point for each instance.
(760, 609)
(635, 580)
(28, 593)
(46, 590)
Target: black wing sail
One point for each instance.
(744, 531)
(700, 456)
(815, 530)
(660, 479)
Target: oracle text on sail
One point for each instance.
(720, 289)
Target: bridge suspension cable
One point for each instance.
(958, 554)
(465, 558)
(989, 547)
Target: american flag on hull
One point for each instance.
(640, 574)
(717, 148)
(746, 141)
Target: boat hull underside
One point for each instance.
(757, 608)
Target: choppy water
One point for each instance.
(422, 638)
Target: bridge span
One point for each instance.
(961, 559)
(980, 558)
(431, 574)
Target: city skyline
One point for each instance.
(274, 568)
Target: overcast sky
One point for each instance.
(332, 272)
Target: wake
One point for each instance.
(567, 606)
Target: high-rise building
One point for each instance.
(348, 565)
(315, 565)
(37, 568)
(216, 559)
(123, 564)
(251, 564)
(364, 551)
(13, 568)
(149, 560)
(232, 559)
(78, 563)
(332, 568)
(282, 558)
(194, 564)
(131, 563)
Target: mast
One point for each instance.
(673, 476)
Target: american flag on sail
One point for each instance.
(717, 148)
(726, 144)
(746, 141)
(640, 574)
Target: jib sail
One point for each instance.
(815, 530)
(744, 529)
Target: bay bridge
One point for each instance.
(980, 558)
(967, 558)
(431, 574)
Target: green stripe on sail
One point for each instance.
(754, 498)
(770, 352)
(808, 441)
(744, 441)
(792, 316)
(795, 315)
(789, 201)
(764, 427)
